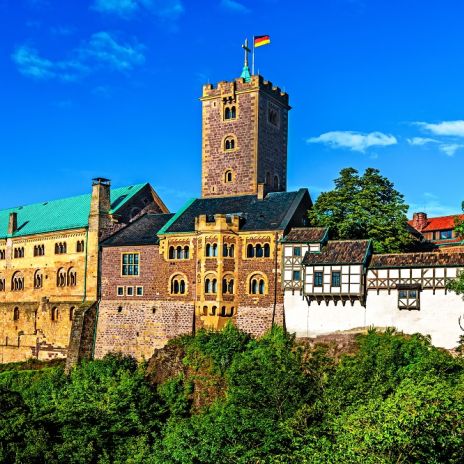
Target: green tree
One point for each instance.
(364, 207)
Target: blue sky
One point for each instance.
(110, 88)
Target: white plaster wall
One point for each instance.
(438, 315)
(310, 321)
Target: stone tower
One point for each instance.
(244, 138)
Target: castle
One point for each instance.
(114, 270)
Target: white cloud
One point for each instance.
(450, 148)
(233, 5)
(355, 141)
(101, 52)
(421, 141)
(448, 128)
(163, 9)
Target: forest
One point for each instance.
(223, 397)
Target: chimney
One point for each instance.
(13, 223)
(261, 193)
(419, 221)
(101, 202)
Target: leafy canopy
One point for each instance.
(364, 207)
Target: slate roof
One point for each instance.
(62, 214)
(430, 259)
(140, 232)
(306, 235)
(339, 252)
(274, 212)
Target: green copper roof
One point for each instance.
(246, 74)
(66, 213)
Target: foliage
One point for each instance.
(398, 399)
(364, 207)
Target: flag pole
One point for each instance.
(253, 58)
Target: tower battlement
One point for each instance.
(240, 85)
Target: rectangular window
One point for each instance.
(296, 275)
(318, 278)
(139, 291)
(130, 291)
(336, 278)
(297, 251)
(130, 264)
(120, 291)
(446, 234)
(408, 298)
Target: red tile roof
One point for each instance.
(439, 223)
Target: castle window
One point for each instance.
(250, 251)
(55, 314)
(318, 278)
(258, 251)
(38, 279)
(229, 143)
(230, 112)
(172, 253)
(2, 254)
(120, 291)
(211, 250)
(80, 246)
(213, 311)
(276, 183)
(130, 264)
(130, 291)
(336, 278)
(228, 286)
(39, 250)
(17, 282)
(61, 278)
(186, 252)
(231, 251)
(60, 248)
(72, 277)
(225, 250)
(210, 285)
(268, 178)
(408, 298)
(16, 314)
(18, 252)
(178, 285)
(71, 313)
(179, 253)
(139, 291)
(257, 285)
(228, 177)
(267, 250)
(273, 116)
(2, 285)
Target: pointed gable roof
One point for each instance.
(62, 214)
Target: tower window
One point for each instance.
(230, 112)
(229, 143)
(228, 177)
(276, 183)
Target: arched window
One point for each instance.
(250, 251)
(72, 277)
(17, 282)
(61, 278)
(172, 253)
(229, 143)
(230, 112)
(259, 251)
(186, 252)
(208, 286)
(225, 250)
(214, 249)
(233, 113)
(267, 250)
(179, 253)
(38, 279)
(55, 314)
(2, 254)
(2, 284)
(208, 250)
(227, 113)
(231, 250)
(18, 252)
(71, 313)
(213, 311)
(214, 285)
(80, 246)
(268, 178)
(257, 285)
(178, 285)
(230, 286)
(205, 310)
(228, 177)
(60, 248)
(16, 314)
(276, 183)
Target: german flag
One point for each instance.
(261, 40)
